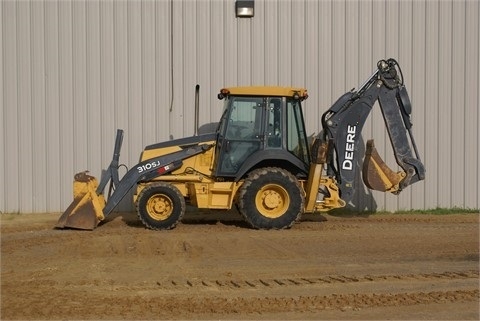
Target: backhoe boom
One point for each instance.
(343, 123)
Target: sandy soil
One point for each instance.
(212, 266)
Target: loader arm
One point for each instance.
(343, 123)
(148, 170)
(90, 205)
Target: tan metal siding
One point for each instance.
(3, 150)
(10, 107)
(471, 91)
(208, 102)
(39, 110)
(444, 136)
(65, 148)
(24, 104)
(74, 71)
(163, 70)
(431, 103)
(108, 94)
(50, 174)
(457, 100)
(417, 87)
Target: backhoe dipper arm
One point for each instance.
(343, 123)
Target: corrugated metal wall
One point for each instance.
(74, 71)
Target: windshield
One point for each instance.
(241, 115)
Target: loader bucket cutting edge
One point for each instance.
(86, 210)
(376, 174)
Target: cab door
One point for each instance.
(240, 134)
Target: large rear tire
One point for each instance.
(271, 198)
(160, 206)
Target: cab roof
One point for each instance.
(265, 91)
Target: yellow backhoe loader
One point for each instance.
(259, 159)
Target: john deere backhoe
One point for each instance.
(260, 160)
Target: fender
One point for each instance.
(275, 158)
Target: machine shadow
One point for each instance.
(232, 217)
(193, 216)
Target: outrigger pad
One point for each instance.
(376, 174)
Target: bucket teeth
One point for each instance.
(376, 174)
(85, 212)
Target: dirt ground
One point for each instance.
(212, 266)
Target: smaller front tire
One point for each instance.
(160, 206)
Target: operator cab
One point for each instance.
(261, 125)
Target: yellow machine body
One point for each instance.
(194, 179)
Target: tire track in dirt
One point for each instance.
(317, 303)
(179, 307)
(223, 297)
(196, 284)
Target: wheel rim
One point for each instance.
(272, 201)
(159, 207)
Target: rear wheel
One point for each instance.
(271, 198)
(160, 206)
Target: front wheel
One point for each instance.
(271, 198)
(160, 206)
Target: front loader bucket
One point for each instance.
(86, 210)
(376, 174)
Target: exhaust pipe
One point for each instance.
(197, 103)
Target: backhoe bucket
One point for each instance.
(86, 210)
(376, 174)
